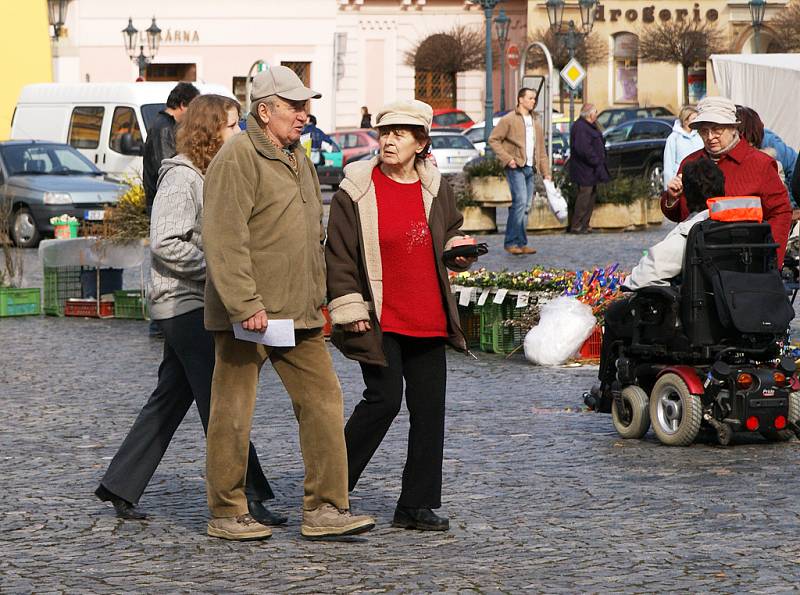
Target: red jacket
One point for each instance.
(748, 172)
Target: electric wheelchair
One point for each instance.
(705, 353)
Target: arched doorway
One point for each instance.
(435, 71)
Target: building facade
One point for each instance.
(620, 78)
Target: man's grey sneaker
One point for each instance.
(329, 521)
(238, 528)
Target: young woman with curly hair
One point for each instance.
(178, 272)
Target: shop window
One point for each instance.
(302, 69)
(84, 127)
(171, 72)
(123, 122)
(626, 68)
(697, 84)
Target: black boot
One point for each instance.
(423, 519)
(126, 510)
(263, 515)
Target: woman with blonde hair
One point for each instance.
(178, 272)
(682, 142)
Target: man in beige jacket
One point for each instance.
(518, 142)
(263, 234)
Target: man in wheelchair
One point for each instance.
(698, 342)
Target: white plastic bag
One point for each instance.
(558, 203)
(564, 324)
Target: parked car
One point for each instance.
(636, 148)
(615, 116)
(106, 122)
(451, 151)
(44, 180)
(475, 134)
(355, 142)
(450, 118)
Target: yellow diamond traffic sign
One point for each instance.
(573, 73)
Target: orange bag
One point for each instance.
(735, 208)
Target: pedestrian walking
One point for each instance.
(587, 166)
(681, 142)
(366, 117)
(518, 142)
(319, 141)
(178, 273)
(748, 171)
(263, 239)
(390, 224)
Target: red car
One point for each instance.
(356, 143)
(451, 118)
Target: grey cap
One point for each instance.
(283, 82)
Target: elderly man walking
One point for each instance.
(587, 166)
(518, 142)
(263, 237)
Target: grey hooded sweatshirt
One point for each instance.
(177, 265)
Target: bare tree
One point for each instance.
(591, 50)
(684, 43)
(786, 25)
(460, 49)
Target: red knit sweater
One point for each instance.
(412, 299)
(748, 172)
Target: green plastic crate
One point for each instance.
(506, 338)
(60, 284)
(130, 304)
(20, 301)
(492, 314)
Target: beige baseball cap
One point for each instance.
(283, 82)
(715, 110)
(411, 112)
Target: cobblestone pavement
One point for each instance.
(542, 496)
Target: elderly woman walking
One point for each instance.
(178, 275)
(681, 142)
(587, 166)
(748, 171)
(390, 225)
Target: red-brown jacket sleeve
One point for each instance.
(678, 211)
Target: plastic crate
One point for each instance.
(130, 304)
(590, 350)
(470, 319)
(505, 337)
(16, 301)
(60, 284)
(491, 313)
(88, 308)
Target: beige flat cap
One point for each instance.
(409, 113)
(715, 110)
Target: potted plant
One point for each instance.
(477, 218)
(621, 203)
(15, 300)
(488, 183)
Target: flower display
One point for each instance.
(63, 220)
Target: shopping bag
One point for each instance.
(557, 202)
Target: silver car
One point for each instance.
(452, 151)
(42, 179)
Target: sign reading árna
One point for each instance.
(649, 14)
(172, 36)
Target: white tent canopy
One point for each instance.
(767, 83)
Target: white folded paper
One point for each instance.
(279, 333)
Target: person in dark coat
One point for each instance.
(587, 166)
(160, 143)
(366, 117)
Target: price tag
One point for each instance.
(500, 296)
(522, 299)
(455, 288)
(466, 296)
(484, 296)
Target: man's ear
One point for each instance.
(263, 113)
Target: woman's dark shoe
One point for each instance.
(423, 519)
(126, 510)
(263, 515)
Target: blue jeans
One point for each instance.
(520, 181)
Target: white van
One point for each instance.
(107, 122)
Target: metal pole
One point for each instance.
(548, 106)
(248, 85)
(489, 111)
(571, 47)
(756, 38)
(503, 76)
(141, 61)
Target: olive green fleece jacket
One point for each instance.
(262, 234)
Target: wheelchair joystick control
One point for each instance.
(718, 374)
(787, 366)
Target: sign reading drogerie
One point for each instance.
(573, 73)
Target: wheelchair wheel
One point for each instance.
(675, 412)
(634, 419)
(794, 416)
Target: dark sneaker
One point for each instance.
(238, 528)
(329, 521)
(423, 519)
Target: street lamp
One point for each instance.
(130, 37)
(488, 7)
(57, 15)
(571, 35)
(501, 23)
(757, 10)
